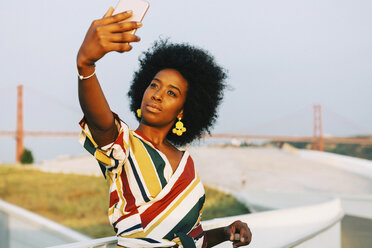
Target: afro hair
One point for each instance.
(205, 85)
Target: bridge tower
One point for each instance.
(20, 131)
(318, 143)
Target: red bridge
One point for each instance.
(317, 139)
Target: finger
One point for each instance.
(109, 12)
(249, 236)
(120, 47)
(245, 238)
(243, 235)
(238, 243)
(232, 232)
(118, 17)
(123, 26)
(123, 37)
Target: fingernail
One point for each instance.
(129, 11)
(139, 24)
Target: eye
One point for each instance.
(171, 93)
(153, 85)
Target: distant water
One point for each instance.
(51, 148)
(42, 148)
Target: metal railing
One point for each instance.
(279, 228)
(22, 228)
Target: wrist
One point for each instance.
(84, 68)
(226, 234)
(86, 72)
(82, 62)
(84, 77)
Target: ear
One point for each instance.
(180, 115)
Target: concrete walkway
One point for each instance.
(250, 169)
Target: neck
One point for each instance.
(157, 135)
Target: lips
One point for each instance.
(153, 107)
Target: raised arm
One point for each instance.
(104, 35)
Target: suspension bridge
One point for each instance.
(286, 176)
(317, 139)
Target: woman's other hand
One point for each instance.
(105, 35)
(241, 228)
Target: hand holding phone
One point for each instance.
(106, 35)
(139, 8)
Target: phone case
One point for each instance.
(139, 8)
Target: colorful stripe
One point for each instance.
(139, 183)
(159, 164)
(156, 208)
(146, 166)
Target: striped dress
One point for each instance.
(150, 204)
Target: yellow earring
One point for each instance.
(179, 129)
(139, 113)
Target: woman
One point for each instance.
(156, 197)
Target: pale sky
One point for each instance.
(282, 57)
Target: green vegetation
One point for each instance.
(27, 157)
(81, 202)
(353, 150)
(219, 204)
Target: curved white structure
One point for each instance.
(310, 226)
(295, 227)
(362, 167)
(20, 228)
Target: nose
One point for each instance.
(157, 96)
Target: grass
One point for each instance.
(80, 202)
(219, 204)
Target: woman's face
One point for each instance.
(163, 99)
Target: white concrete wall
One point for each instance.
(20, 228)
(359, 166)
(323, 238)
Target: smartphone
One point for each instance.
(139, 8)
